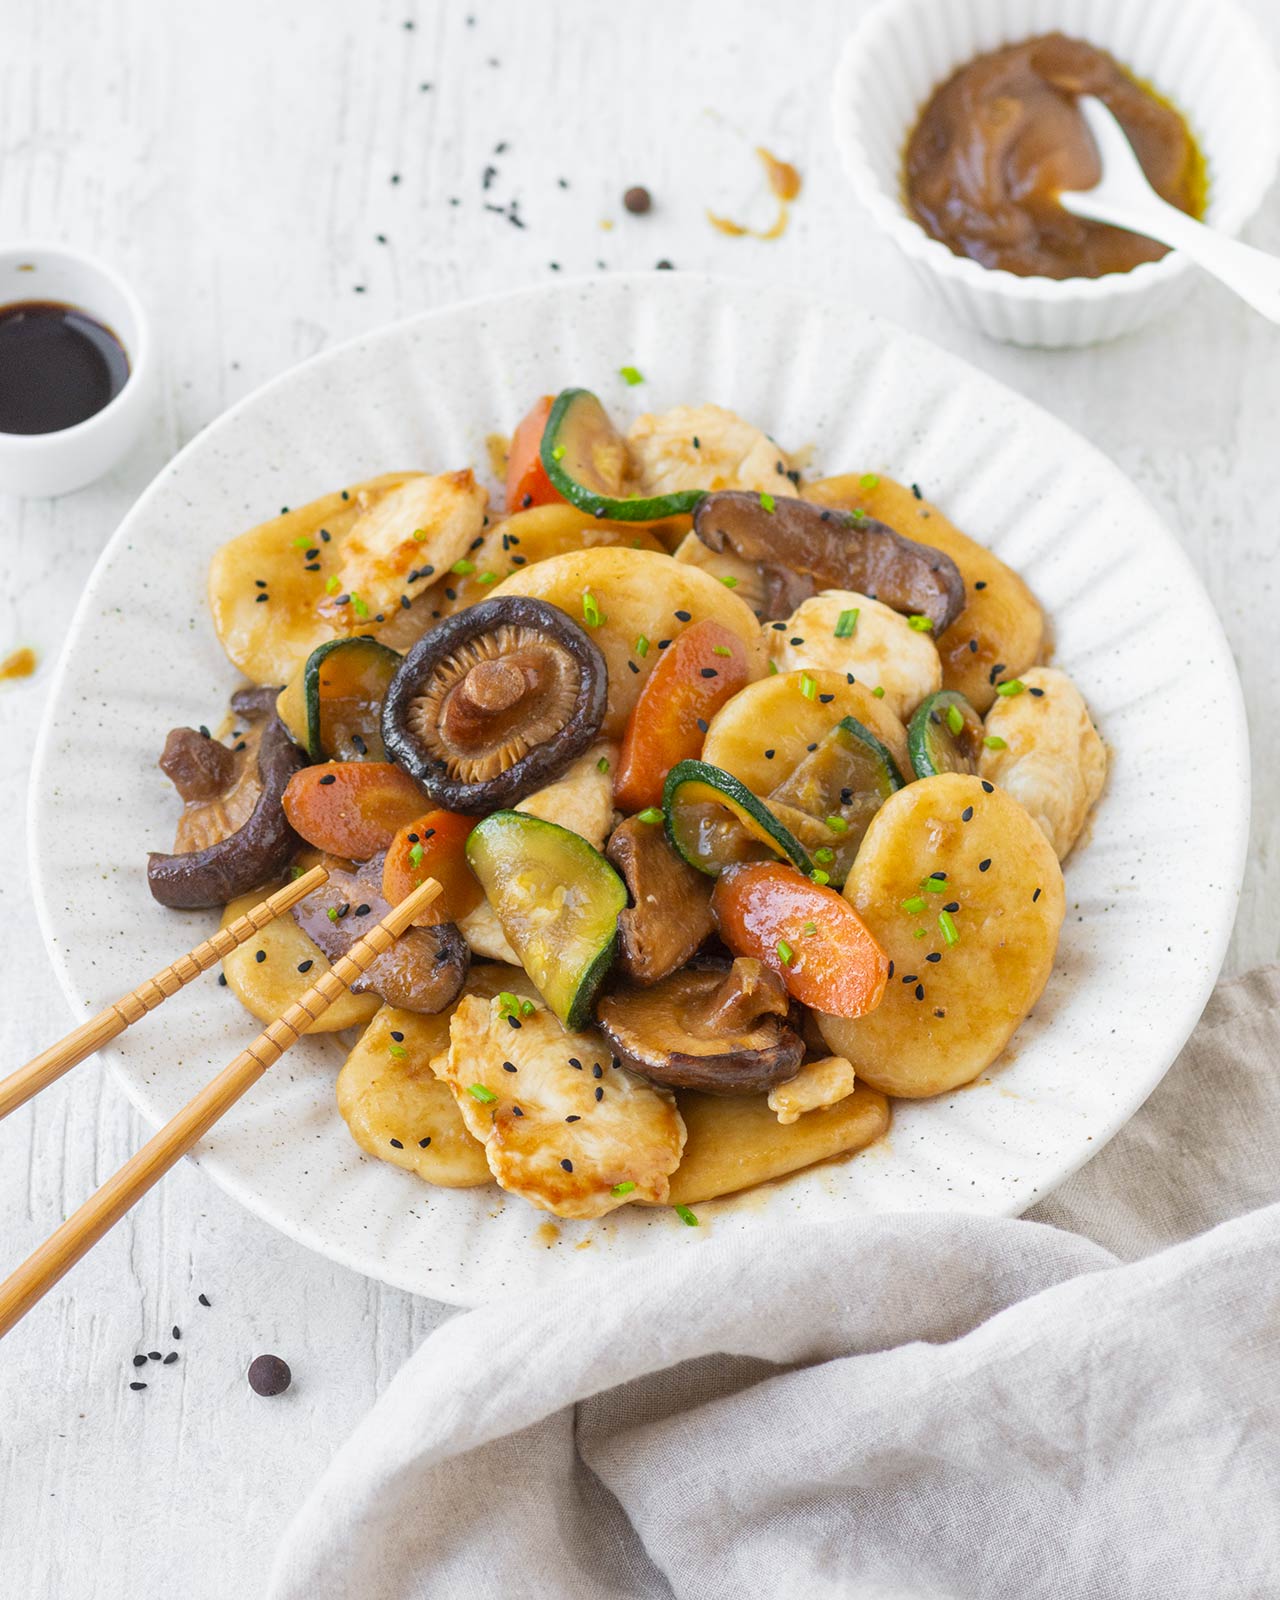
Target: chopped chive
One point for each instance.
(477, 1091)
(846, 622)
(729, 581)
(878, 691)
(837, 824)
(527, 1008)
(686, 1216)
(914, 906)
(918, 934)
(631, 375)
(397, 1050)
(420, 534)
(1010, 686)
(641, 646)
(934, 886)
(810, 929)
(721, 650)
(819, 877)
(824, 857)
(487, 577)
(332, 585)
(416, 855)
(920, 624)
(767, 502)
(462, 567)
(948, 927)
(869, 481)
(591, 612)
(358, 605)
(302, 541)
(955, 719)
(557, 453)
(808, 688)
(294, 874)
(785, 953)
(649, 814)
(603, 764)
(622, 1188)
(332, 913)
(508, 1003)
(773, 669)
(993, 741)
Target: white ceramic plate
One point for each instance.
(1150, 898)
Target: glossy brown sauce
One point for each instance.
(58, 366)
(1000, 139)
(784, 185)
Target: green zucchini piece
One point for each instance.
(944, 735)
(715, 822)
(333, 706)
(829, 800)
(558, 901)
(586, 460)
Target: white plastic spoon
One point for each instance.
(1124, 198)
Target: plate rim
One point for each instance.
(1234, 725)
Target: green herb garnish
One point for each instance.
(631, 375)
(846, 622)
(948, 927)
(477, 1091)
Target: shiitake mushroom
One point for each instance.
(801, 548)
(724, 1032)
(495, 703)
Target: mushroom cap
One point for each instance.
(721, 1031)
(494, 703)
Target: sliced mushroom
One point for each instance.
(233, 835)
(495, 703)
(423, 970)
(670, 911)
(721, 1032)
(802, 548)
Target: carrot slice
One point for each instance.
(351, 808)
(433, 846)
(527, 480)
(811, 936)
(693, 678)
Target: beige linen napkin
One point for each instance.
(1082, 1403)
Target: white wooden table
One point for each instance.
(275, 177)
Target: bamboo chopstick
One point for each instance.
(82, 1230)
(50, 1064)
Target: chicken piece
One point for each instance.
(745, 578)
(483, 932)
(405, 541)
(566, 1128)
(703, 447)
(817, 1084)
(1053, 760)
(884, 651)
(582, 798)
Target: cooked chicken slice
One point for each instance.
(883, 651)
(1052, 761)
(582, 799)
(817, 1084)
(566, 1128)
(743, 577)
(483, 932)
(703, 447)
(406, 540)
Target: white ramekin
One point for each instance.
(1207, 56)
(54, 463)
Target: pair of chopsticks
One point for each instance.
(82, 1230)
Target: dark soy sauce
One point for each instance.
(58, 366)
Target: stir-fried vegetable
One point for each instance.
(702, 669)
(351, 808)
(715, 822)
(527, 481)
(433, 846)
(586, 461)
(333, 706)
(816, 941)
(945, 735)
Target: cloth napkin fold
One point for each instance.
(1082, 1403)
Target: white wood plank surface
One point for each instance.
(237, 162)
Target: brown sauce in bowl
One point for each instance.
(1000, 139)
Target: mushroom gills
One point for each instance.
(495, 703)
(558, 901)
(721, 1032)
(828, 801)
(801, 548)
(424, 969)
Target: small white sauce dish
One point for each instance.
(43, 464)
(1206, 56)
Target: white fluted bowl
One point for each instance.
(1207, 56)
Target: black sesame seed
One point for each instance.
(260, 956)
(826, 699)
(396, 1145)
(344, 908)
(259, 583)
(988, 788)
(139, 1361)
(509, 1066)
(451, 594)
(663, 643)
(910, 977)
(778, 627)
(516, 1111)
(170, 1358)
(973, 646)
(919, 991)
(513, 1022)
(599, 1093)
(813, 746)
(981, 583)
(703, 724)
(153, 1355)
(329, 777)
(846, 797)
(362, 910)
(567, 1164)
(1035, 897)
(769, 754)
(995, 672)
(967, 814)
(358, 745)
(1038, 693)
(574, 1062)
(938, 877)
(204, 1299)
(683, 616)
(137, 1386)
(423, 1143)
(848, 677)
(262, 598)
(573, 1119)
(891, 969)
(796, 640)
(324, 532)
(934, 955)
(633, 666)
(915, 489)
(709, 672)
(222, 980)
(306, 966)
(397, 1036)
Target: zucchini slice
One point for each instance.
(944, 735)
(715, 822)
(830, 798)
(333, 705)
(558, 901)
(586, 460)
